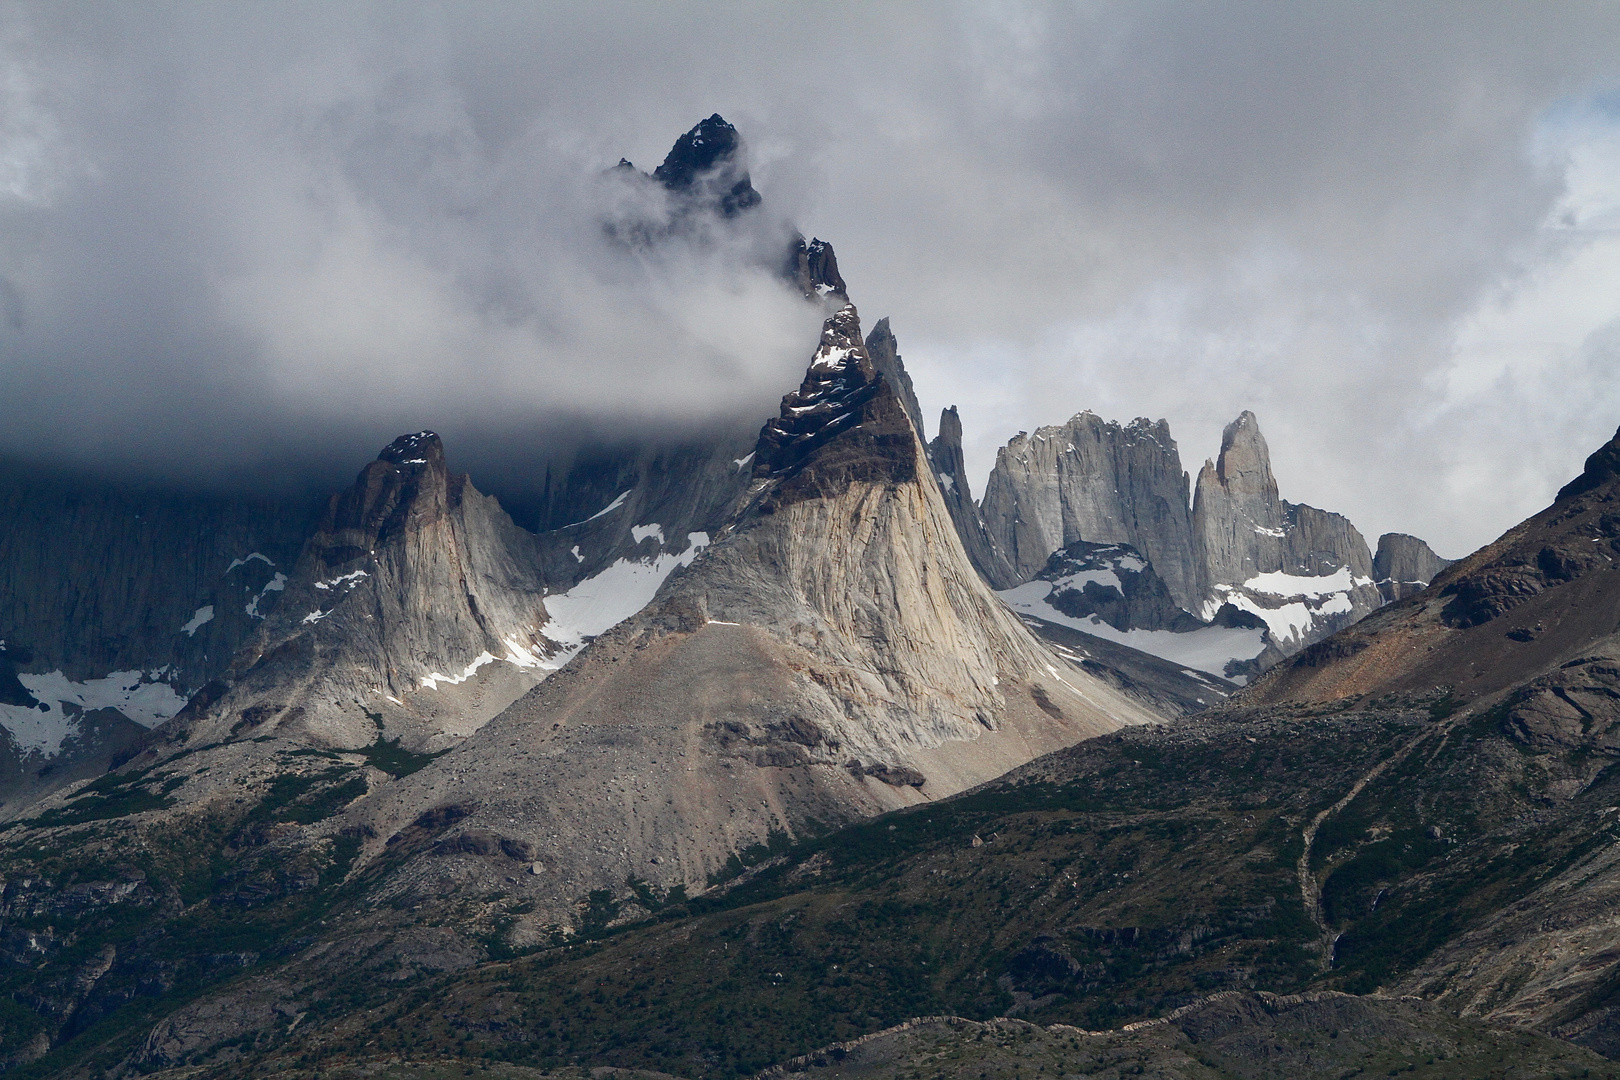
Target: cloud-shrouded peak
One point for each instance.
(232, 239)
(710, 163)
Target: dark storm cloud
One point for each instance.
(269, 232)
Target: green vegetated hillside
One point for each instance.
(1288, 850)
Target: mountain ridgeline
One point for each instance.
(1234, 545)
(770, 750)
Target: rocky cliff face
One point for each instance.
(1306, 572)
(1404, 565)
(1098, 482)
(414, 613)
(117, 602)
(831, 654)
(98, 577)
(945, 456)
(1237, 514)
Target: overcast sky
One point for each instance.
(240, 235)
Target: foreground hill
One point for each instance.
(1349, 849)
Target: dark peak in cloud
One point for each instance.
(701, 194)
(234, 241)
(710, 164)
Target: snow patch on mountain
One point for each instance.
(275, 584)
(1290, 623)
(140, 696)
(350, 579)
(1208, 649)
(431, 682)
(603, 600)
(202, 616)
(1279, 583)
(608, 509)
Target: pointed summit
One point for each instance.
(814, 269)
(414, 584)
(710, 163)
(950, 470)
(842, 392)
(884, 350)
(1237, 516)
(830, 655)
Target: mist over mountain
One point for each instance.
(735, 738)
(253, 240)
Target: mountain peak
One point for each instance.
(1602, 466)
(842, 391)
(420, 448)
(813, 268)
(710, 160)
(1245, 460)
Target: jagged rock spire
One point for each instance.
(841, 392)
(1098, 481)
(710, 163)
(1237, 515)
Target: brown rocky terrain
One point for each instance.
(1541, 597)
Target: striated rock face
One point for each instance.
(1404, 565)
(1306, 572)
(1321, 542)
(1094, 481)
(97, 577)
(1238, 520)
(945, 455)
(831, 654)
(412, 585)
(117, 602)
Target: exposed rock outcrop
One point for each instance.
(1404, 565)
(1238, 518)
(1306, 572)
(813, 269)
(413, 585)
(885, 354)
(945, 455)
(830, 655)
(1094, 481)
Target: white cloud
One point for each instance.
(1382, 228)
